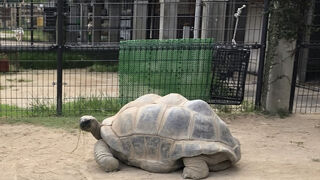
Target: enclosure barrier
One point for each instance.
(62, 57)
(195, 68)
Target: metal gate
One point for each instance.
(305, 92)
(61, 56)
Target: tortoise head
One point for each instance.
(90, 124)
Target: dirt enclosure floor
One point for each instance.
(272, 148)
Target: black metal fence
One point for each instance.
(306, 89)
(62, 57)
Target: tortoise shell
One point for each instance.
(165, 129)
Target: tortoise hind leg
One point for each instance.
(104, 158)
(195, 168)
(217, 162)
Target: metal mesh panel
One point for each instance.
(90, 34)
(27, 59)
(165, 66)
(307, 86)
(229, 75)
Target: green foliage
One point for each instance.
(247, 106)
(12, 111)
(223, 108)
(103, 68)
(39, 108)
(3, 56)
(93, 105)
(287, 18)
(71, 59)
(38, 35)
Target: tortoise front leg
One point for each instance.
(195, 168)
(104, 158)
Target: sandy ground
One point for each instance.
(272, 148)
(32, 87)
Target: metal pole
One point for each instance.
(236, 15)
(59, 55)
(197, 19)
(31, 21)
(81, 20)
(262, 54)
(294, 73)
(93, 23)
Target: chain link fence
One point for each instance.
(67, 57)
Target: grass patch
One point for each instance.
(103, 68)
(12, 111)
(44, 114)
(6, 31)
(38, 35)
(71, 59)
(247, 106)
(55, 122)
(92, 106)
(82, 106)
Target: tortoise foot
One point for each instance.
(104, 157)
(195, 168)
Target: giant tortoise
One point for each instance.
(163, 134)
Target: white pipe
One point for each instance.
(236, 15)
(197, 17)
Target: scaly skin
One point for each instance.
(90, 124)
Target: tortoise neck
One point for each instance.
(95, 130)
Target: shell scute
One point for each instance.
(123, 124)
(147, 119)
(138, 146)
(176, 123)
(203, 127)
(225, 135)
(165, 149)
(192, 149)
(126, 145)
(172, 99)
(177, 151)
(200, 107)
(152, 147)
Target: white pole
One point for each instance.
(236, 15)
(197, 17)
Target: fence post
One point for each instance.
(295, 72)
(60, 47)
(262, 54)
(31, 22)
